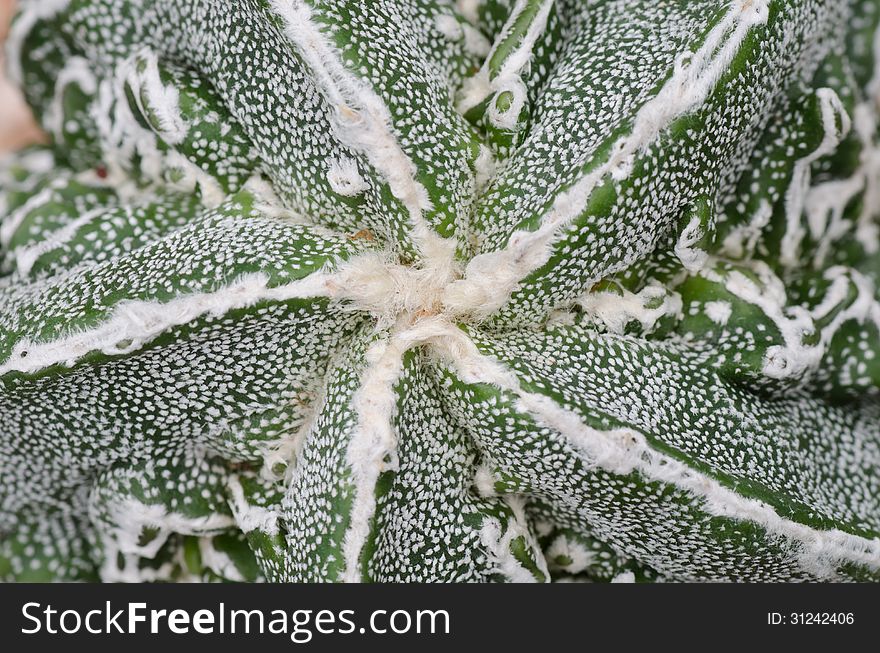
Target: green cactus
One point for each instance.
(426, 290)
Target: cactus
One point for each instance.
(426, 290)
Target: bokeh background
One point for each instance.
(17, 128)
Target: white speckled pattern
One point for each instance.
(424, 290)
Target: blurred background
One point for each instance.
(16, 125)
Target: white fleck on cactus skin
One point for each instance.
(422, 290)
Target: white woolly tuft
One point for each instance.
(449, 27)
(719, 312)
(519, 58)
(219, 562)
(580, 557)
(624, 577)
(130, 516)
(825, 203)
(615, 310)
(470, 9)
(374, 283)
(509, 76)
(497, 542)
(345, 178)
(741, 241)
(248, 517)
(10, 224)
(691, 257)
(123, 136)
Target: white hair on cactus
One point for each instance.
(470, 9)
(474, 41)
(11, 223)
(826, 203)
(406, 431)
(449, 26)
(626, 450)
(219, 561)
(795, 357)
(154, 98)
(692, 258)
(484, 481)
(578, 557)
(719, 312)
(133, 324)
(615, 310)
(376, 284)
(248, 517)
(509, 118)
(517, 60)
(345, 178)
(362, 120)
(508, 78)
(491, 277)
(373, 446)
(486, 168)
(836, 124)
(124, 139)
(131, 516)
(497, 540)
(743, 239)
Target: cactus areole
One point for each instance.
(426, 290)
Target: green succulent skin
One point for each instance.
(442, 291)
